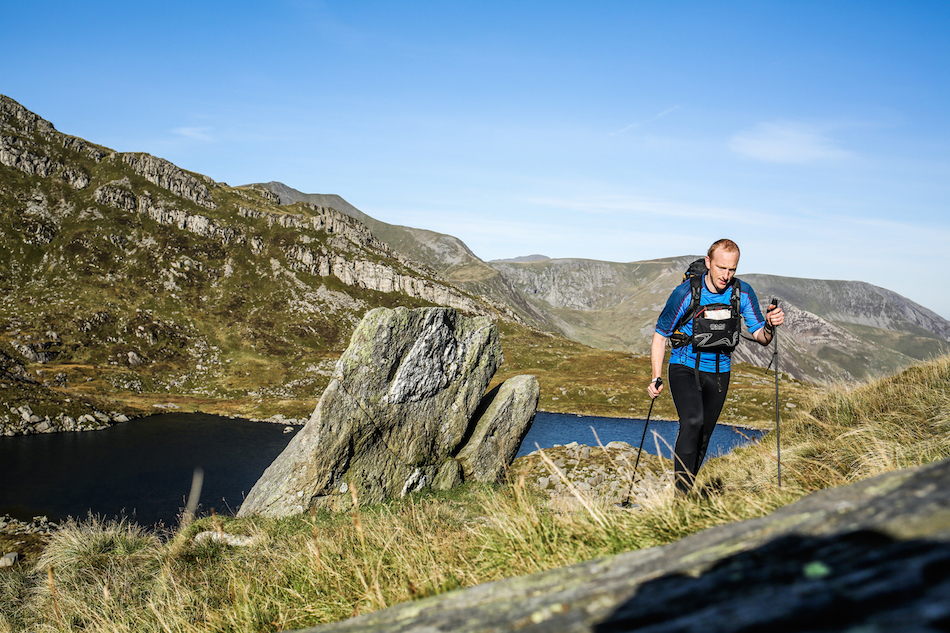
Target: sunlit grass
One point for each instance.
(311, 569)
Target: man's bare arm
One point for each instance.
(657, 352)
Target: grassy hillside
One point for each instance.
(125, 305)
(125, 278)
(319, 568)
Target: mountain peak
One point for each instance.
(524, 259)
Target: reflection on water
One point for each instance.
(143, 469)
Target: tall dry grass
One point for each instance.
(846, 434)
(306, 570)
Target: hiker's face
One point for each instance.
(722, 267)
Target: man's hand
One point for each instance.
(655, 387)
(774, 316)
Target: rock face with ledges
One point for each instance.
(159, 171)
(398, 411)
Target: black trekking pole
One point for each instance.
(658, 383)
(778, 427)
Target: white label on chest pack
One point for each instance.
(718, 315)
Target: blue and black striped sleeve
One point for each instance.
(676, 307)
(749, 304)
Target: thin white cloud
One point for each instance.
(194, 133)
(634, 126)
(787, 142)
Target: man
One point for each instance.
(698, 373)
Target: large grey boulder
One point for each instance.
(873, 556)
(395, 415)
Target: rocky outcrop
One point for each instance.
(438, 253)
(873, 556)
(331, 221)
(30, 157)
(397, 413)
(415, 280)
(436, 250)
(383, 278)
(493, 445)
(166, 175)
(17, 415)
(39, 525)
(26, 120)
(117, 194)
(14, 152)
(34, 352)
(21, 420)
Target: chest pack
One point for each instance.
(717, 326)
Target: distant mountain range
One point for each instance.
(122, 273)
(836, 330)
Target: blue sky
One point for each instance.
(815, 134)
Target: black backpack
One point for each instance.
(716, 327)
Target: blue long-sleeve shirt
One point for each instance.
(678, 304)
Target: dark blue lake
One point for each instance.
(563, 428)
(143, 469)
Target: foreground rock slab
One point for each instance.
(402, 405)
(873, 556)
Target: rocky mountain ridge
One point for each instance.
(129, 274)
(446, 254)
(836, 330)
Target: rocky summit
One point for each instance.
(402, 412)
(873, 556)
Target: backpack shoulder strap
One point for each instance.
(736, 300)
(696, 291)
